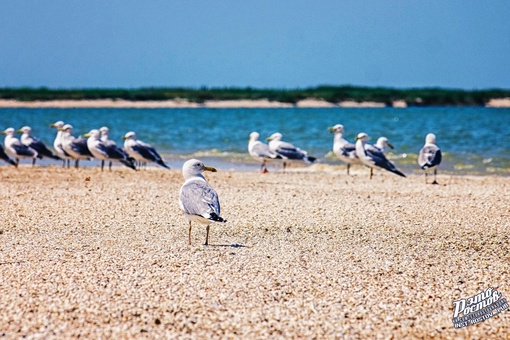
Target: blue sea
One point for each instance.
(474, 140)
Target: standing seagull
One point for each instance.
(287, 151)
(57, 144)
(383, 143)
(5, 157)
(15, 149)
(197, 198)
(344, 150)
(105, 132)
(372, 156)
(260, 151)
(74, 147)
(105, 152)
(141, 151)
(430, 156)
(34, 143)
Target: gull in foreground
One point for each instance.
(430, 156)
(74, 147)
(140, 151)
(57, 144)
(372, 156)
(287, 151)
(197, 198)
(34, 143)
(344, 150)
(5, 157)
(260, 151)
(383, 143)
(17, 150)
(107, 152)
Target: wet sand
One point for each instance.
(303, 255)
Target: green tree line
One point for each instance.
(333, 94)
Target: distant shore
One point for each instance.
(183, 103)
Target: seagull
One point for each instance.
(106, 152)
(5, 157)
(260, 151)
(141, 151)
(287, 151)
(383, 143)
(344, 150)
(17, 150)
(372, 156)
(74, 147)
(197, 199)
(105, 131)
(34, 143)
(57, 144)
(430, 156)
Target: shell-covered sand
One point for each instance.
(303, 255)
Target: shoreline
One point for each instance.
(183, 103)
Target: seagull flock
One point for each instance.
(96, 144)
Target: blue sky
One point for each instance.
(262, 44)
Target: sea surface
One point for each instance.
(474, 140)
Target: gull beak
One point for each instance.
(86, 135)
(3, 133)
(210, 168)
(330, 129)
(19, 131)
(391, 146)
(52, 125)
(268, 138)
(124, 137)
(61, 129)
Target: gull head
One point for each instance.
(383, 142)
(338, 128)
(362, 137)
(275, 136)
(129, 135)
(25, 129)
(194, 167)
(104, 131)
(430, 139)
(8, 132)
(58, 124)
(94, 134)
(254, 136)
(66, 128)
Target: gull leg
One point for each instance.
(426, 181)
(207, 236)
(77, 164)
(102, 166)
(17, 162)
(284, 165)
(371, 172)
(110, 166)
(33, 162)
(435, 173)
(189, 233)
(348, 167)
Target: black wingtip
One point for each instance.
(160, 162)
(399, 173)
(214, 217)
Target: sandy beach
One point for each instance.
(303, 255)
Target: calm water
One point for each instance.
(473, 140)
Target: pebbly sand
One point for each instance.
(303, 255)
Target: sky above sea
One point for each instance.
(262, 44)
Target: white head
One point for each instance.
(129, 135)
(58, 124)
(26, 130)
(430, 139)
(93, 134)
(254, 136)
(104, 131)
(275, 136)
(338, 128)
(194, 167)
(383, 142)
(362, 137)
(8, 132)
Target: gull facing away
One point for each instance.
(430, 156)
(15, 149)
(344, 150)
(107, 152)
(383, 143)
(197, 198)
(260, 151)
(74, 147)
(34, 143)
(5, 157)
(287, 151)
(105, 133)
(140, 151)
(372, 156)
(57, 144)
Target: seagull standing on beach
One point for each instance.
(74, 147)
(140, 151)
(34, 143)
(430, 156)
(57, 144)
(344, 150)
(105, 138)
(383, 143)
(17, 150)
(287, 151)
(260, 151)
(197, 199)
(5, 157)
(372, 156)
(105, 152)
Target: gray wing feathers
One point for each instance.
(199, 198)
